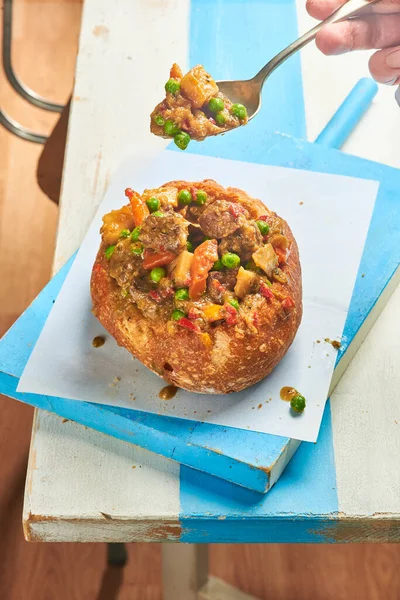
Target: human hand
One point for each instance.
(378, 28)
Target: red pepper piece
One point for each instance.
(155, 295)
(265, 218)
(266, 292)
(288, 303)
(184, 322)
(236, 210)
(231, 314)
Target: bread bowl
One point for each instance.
(201, 283)
(194, 108)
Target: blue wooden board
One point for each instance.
(241, 457)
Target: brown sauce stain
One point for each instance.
(287, 393)
(337, 345)
(98, 341)
(168, 392)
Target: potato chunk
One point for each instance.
(245, 282)
(114, 222)
(181, 269)
(198, 86)
(266, 259)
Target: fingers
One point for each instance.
(385, 66)
(373, 31)
(321, 9)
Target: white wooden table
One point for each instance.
(85, 486)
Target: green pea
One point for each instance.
(157, 274)
(182, 294)
(230, 260)
(216, 105)
(189, 246)
(135, 234)
(298, 403)
(201, 197)
(109, 252)
(172, 86)
(158, 213)
(239, 111)
(177, 314)
(233, 302)
(137, 249)
(153, 204)
(185, 197)
(124, 292)
(218, 266)
(263, 227)
(125, 233)
(182, 140)
(220, 118)
(170, 128)
(159, 120)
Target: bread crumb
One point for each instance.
(259, 406)
(133, 466)
(301, 203)
(362, 274)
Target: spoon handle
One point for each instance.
(350, 8)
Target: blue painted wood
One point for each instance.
(241, 38)
(242, 457)
(296, 510)
(348, 114)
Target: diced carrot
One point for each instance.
(281, 254)
(204, 258)
(157, 259)
(214, 312)
(176, 72)
(139, 208)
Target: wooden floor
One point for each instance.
(45, 44)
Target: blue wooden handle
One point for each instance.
(348, 115)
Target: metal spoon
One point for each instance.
(248, 92)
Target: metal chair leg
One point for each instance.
(20, 131)
(117, 555)
(21, 89)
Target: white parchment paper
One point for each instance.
(329, 216)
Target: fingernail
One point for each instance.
(390, 82)
(393, 59)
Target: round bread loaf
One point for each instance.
(199, 282)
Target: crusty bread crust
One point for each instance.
(236, 359)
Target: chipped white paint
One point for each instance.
(83, 485)
(366, 422)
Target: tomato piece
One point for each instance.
(266, 292)
(204, 258)
(288, 303)
(184, 322)
(231, 314)
(139, 208)
(155, 295)
(157, 259)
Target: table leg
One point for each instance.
(117, 555)
(185, 575)
(184, 570)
